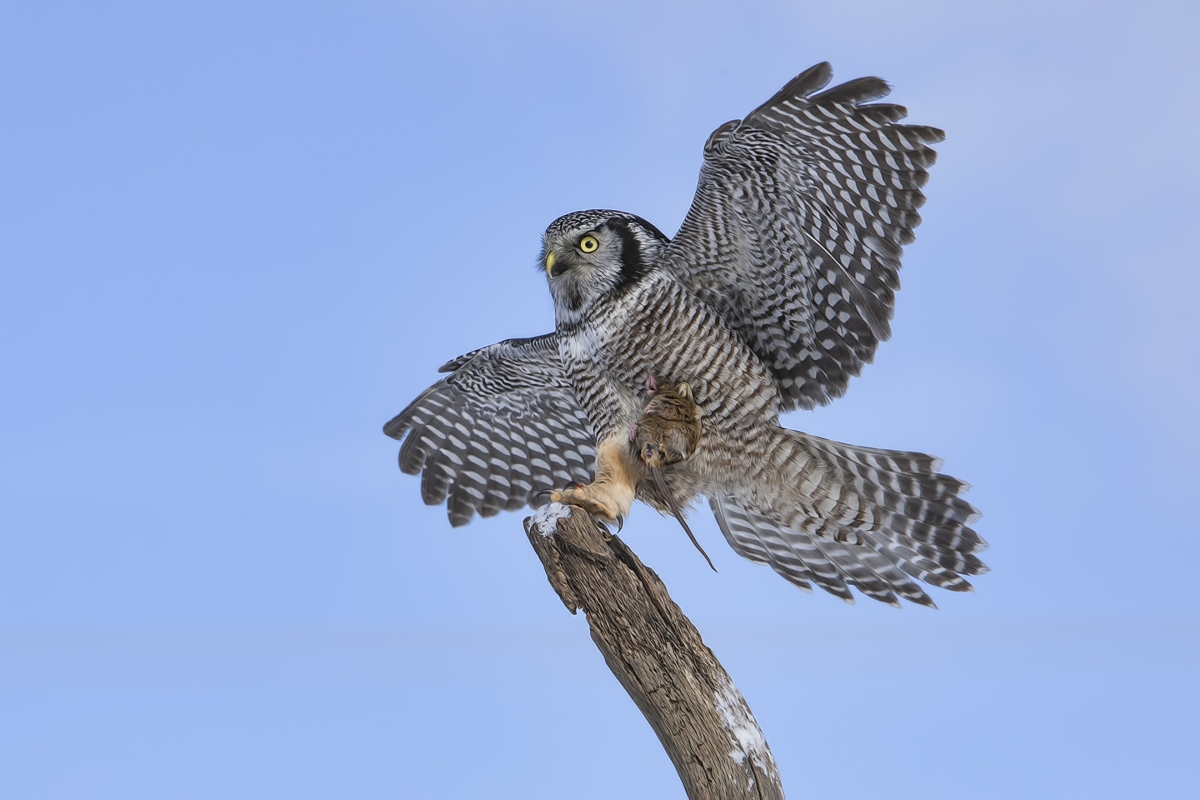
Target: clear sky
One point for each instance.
(236, 238)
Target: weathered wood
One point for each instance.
(658, 656)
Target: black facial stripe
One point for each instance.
(633, 266)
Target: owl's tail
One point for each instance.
(839, 516)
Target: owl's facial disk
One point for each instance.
(590, 255)
(581, 268)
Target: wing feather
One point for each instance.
(503, 426)
(798, 226)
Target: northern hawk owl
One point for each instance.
(776, 291)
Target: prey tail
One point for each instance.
(665, 491)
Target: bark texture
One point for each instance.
(658, 656)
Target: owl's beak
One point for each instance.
(550, 263)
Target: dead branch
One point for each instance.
(658, 656)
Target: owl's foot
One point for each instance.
(610, 496)
(596, 500)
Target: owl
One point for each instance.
(776, 290)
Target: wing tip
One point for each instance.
(927, 133)
(854, 92)
(811, 80)
(396, 427)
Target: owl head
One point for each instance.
(589, 256)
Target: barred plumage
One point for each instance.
(776, 291)
(501, 428)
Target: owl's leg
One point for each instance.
(610, 496)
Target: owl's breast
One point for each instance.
(658, 328)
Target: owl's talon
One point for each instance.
(605, 533)
(597, 509)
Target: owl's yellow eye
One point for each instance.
(588, 244)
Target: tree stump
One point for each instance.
(658, 656)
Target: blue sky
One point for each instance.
(236, 238)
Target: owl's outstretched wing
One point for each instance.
(502, 427)
(798, 224)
